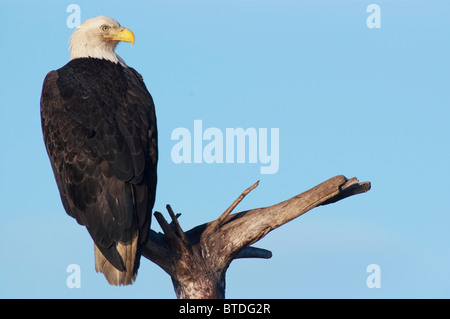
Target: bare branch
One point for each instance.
(253, 252)
(246, 228)
(177, 226)
(213, 226)
(228, 211)
(168, 231)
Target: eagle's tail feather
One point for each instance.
(115, 276)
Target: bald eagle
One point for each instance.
(99, 127)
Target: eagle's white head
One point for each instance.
(97, 38)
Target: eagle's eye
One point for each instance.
(104, 28)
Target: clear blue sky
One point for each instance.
(347, 99)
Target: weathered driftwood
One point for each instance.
(197, 259)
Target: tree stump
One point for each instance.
(198, 259)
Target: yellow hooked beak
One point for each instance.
(122, 34)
